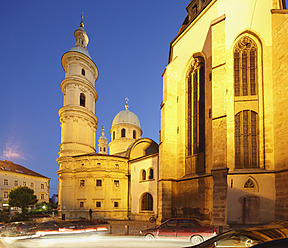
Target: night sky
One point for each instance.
(128, 41)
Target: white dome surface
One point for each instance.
(126, 117)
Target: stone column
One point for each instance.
(220, 190)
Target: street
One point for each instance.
(91, 240)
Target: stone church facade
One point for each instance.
(98, 181)
(223, 145)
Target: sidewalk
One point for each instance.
(131, 227)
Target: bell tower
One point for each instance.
(77, 116)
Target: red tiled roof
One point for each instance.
(9, 166)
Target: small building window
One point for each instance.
(24, 183)
(98, 182)
(15, 183)
(98, 204)
(81, 204)
(5, 195)
(100, 149)
(123, 132)
(82, 183)
(104, 149)
(116, 204)
(6, 182)
(147, 202)
(98, 164)
(42, 196)
(113, 135)
(82, 99)
(83, 72)
(32, 185)
(42, 186)
(116, 183)
(143, 175)
(117, 166)
(134, 134)
(151, 173)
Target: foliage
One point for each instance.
(22, 197)
(18, 217)
(4, 216)
(45, 207)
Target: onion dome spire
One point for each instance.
(81, 23)
(103, 143)
(126, 105)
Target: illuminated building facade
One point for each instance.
(99, 181)
(223, 137)
(13, 175)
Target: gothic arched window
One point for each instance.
(83, 72)
(82, 99)
(147, 202)
(246, 140)
(196, 108)
(123, 132)
(249, 184)
(245, 67)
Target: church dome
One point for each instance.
(126, 117)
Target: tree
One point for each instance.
(22, 197)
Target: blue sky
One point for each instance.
(129, 43)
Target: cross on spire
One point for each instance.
(81, 23)
(126, 105)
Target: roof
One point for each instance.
(126, 117)
(9, 166)
(80, 50)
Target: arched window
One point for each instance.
(245, 67)
(82, 99)
(134, 134)
(249, 184)
(83, 72)
(246, 140)
(151, 173)
(196, 108)
(143, 175)
(123, 132)
(147, 202)
(82, 183)
(113, 135)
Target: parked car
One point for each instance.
(180, 229)
(278, 243)
(246, 237)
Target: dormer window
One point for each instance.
(82, 99)
(83, 72)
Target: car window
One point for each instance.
(187, 224)
(236, 241)
(169, 224)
